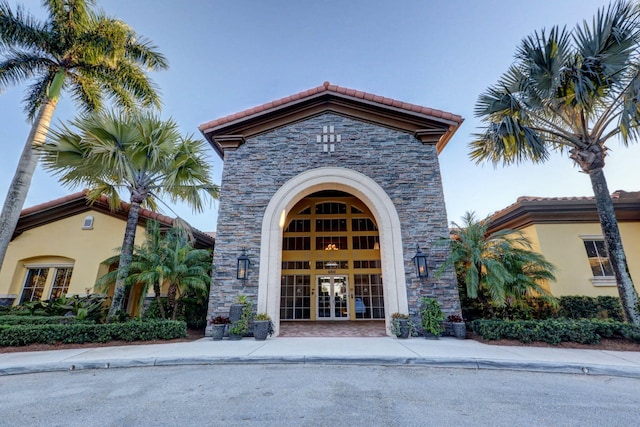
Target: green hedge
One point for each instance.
(17, 319)
(581, 307)
(555, 331)
(19, 335)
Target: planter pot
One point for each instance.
(261, 329)
(235, 312)
(448, 329)
(460, 330)
(218, 331)
(404, 328)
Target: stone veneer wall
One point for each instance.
(407, 169)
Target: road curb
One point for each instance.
(452, 363)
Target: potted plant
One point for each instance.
(262, 326)
(459, 328)
(240, 321)
(401, 326)
(219, 327)
(432, 317)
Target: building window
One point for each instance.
(34, 284)
(60, 284)
(295, 297)
(369, 296)
(598, 258)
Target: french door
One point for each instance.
(333, 298)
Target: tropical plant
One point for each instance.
(571, 92)
(501, 263)
(76, 49)
(137, 152)
(432, 315)
(165, 258)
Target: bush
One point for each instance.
(555, 331)
(12, 319)
(572, 307)
(191, 309)
(582, 307)
(19, 335)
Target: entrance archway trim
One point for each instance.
(362, 187)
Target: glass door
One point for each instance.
(333, 298)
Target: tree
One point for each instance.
(571, 92)
(137, 152)
(501, 263)
(77, 50)
(165, 258)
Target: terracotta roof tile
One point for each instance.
(328, 87)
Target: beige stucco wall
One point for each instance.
(64, 242)
(562, 245)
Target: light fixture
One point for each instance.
(420, 259)
(243, 266)
(331, 247)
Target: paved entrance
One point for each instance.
(373, 328)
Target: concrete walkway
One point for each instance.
(445, 352)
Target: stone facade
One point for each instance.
(402, 165)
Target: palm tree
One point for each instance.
(136, 152)
(77, 50)
(145, 268)
(501, 263)
(185, 268)
(165, 258)
(571, 92)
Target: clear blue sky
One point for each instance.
(230, 55)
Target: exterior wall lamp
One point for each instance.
(420, 260)
(243, 266)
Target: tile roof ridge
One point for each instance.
(329, 87)
(53, 203)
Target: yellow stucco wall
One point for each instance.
(64, 242)
(563, 246)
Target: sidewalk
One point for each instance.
(445, 352)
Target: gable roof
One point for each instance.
(529, 210)
(428, 124)
(77, 203)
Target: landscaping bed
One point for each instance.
(193, 335)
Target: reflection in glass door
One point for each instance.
(333, 298)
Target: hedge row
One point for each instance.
(581, 307)
(19, 335)
(555, 331)
(13, 319)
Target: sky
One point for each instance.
(227, 56)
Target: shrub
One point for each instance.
(555, 331)
(582, 307)
(19, 335)
(12, 319)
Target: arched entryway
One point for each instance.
(328, 185)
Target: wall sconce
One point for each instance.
(420, 259)
(243, 266)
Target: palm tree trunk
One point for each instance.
(172, 294)
(156, 290)
(17, 193)
(613, 241)
(126, 256)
